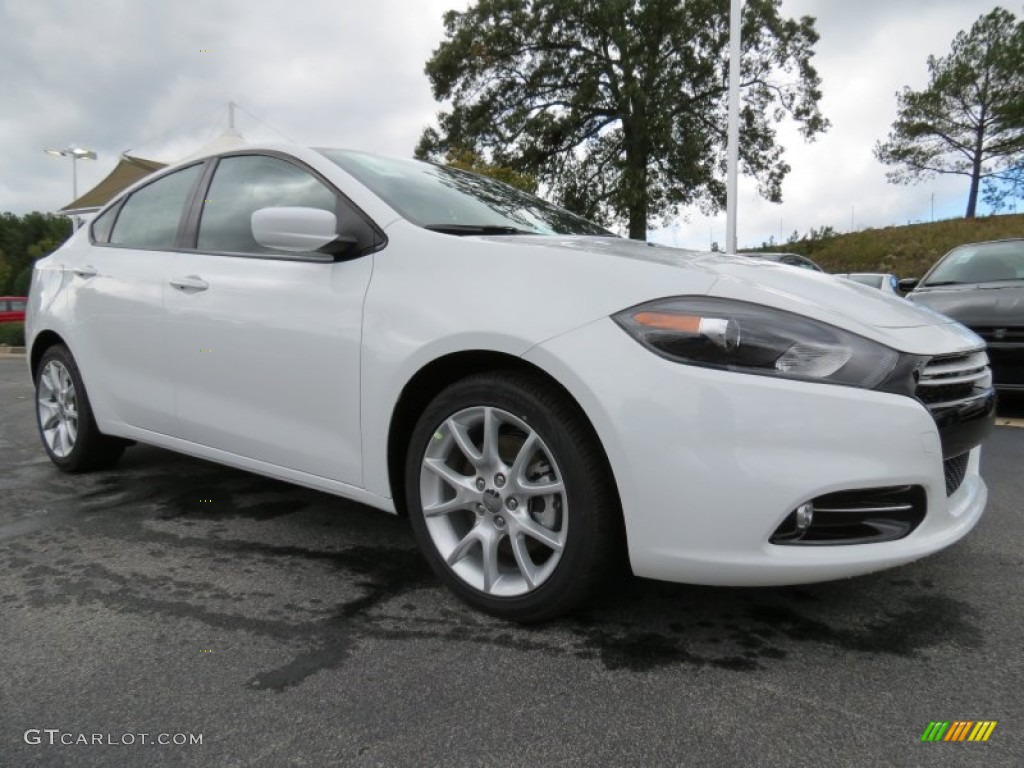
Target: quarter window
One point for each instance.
(101, 225)
(246, 183)
(150, 217)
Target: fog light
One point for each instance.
(804, 516)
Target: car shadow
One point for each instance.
(220, 520)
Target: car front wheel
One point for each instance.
(510, 497)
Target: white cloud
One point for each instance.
(115, 74)
(867, 52)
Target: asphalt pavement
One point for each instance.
(178, 599)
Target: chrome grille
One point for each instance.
(950, 379)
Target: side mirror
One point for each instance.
(299, 230)
(907, 284)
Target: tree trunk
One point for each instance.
(972, 196)
(638, 219)
(634, 175)
(979, 152)
(979, 149)
(634, 180)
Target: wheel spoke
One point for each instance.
(461, 436)
(48, 414)
(455, 479)
(526, 451)
(58, 439)
(533, 529)
(71, 430)
(446, 507)
(526, 566)
(463, 547)
(490, 444)
(541, 489)
(489, 544)
(50, 379)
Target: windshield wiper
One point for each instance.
(476, 229)
(941, 282)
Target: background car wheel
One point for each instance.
(66, 425)
(510, 497)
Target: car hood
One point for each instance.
(977, 304)
(802, 291)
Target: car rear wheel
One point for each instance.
(64, 416)
(510, 497)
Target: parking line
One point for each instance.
(1019, 423)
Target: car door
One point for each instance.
(264, 346)
(116, 289)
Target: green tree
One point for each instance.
(23, 240)
(618, 107)
(5, 271)
(969, 120)
(468, 160)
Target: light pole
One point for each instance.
(732, 174)
(76, 154)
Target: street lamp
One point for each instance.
(76, 154)
(733, 151)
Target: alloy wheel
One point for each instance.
(494, 501)
(57, 405)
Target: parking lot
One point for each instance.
(288, 627)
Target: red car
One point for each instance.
(12, 309)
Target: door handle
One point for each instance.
(85, 272)
(190, 284)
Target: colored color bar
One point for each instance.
(988, 731)
(954, 731)
(935, 730)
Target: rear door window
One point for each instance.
(150, 217)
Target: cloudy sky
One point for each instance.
(114, 75)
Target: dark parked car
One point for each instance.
(792, 259)
(12, 309)
(982, 286)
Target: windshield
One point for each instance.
(979, 263)
(456, 202)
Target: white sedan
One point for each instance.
(540, 397)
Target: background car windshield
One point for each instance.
(981, 263)
(451, 200)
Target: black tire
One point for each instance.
(91, 449)
(594, 545)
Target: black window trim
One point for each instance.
(187, 235)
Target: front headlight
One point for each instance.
(750, 338)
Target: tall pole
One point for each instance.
(231, 116)
(75, 153)
(734, 125)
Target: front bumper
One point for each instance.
(710, 463)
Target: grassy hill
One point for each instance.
(906, 251)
